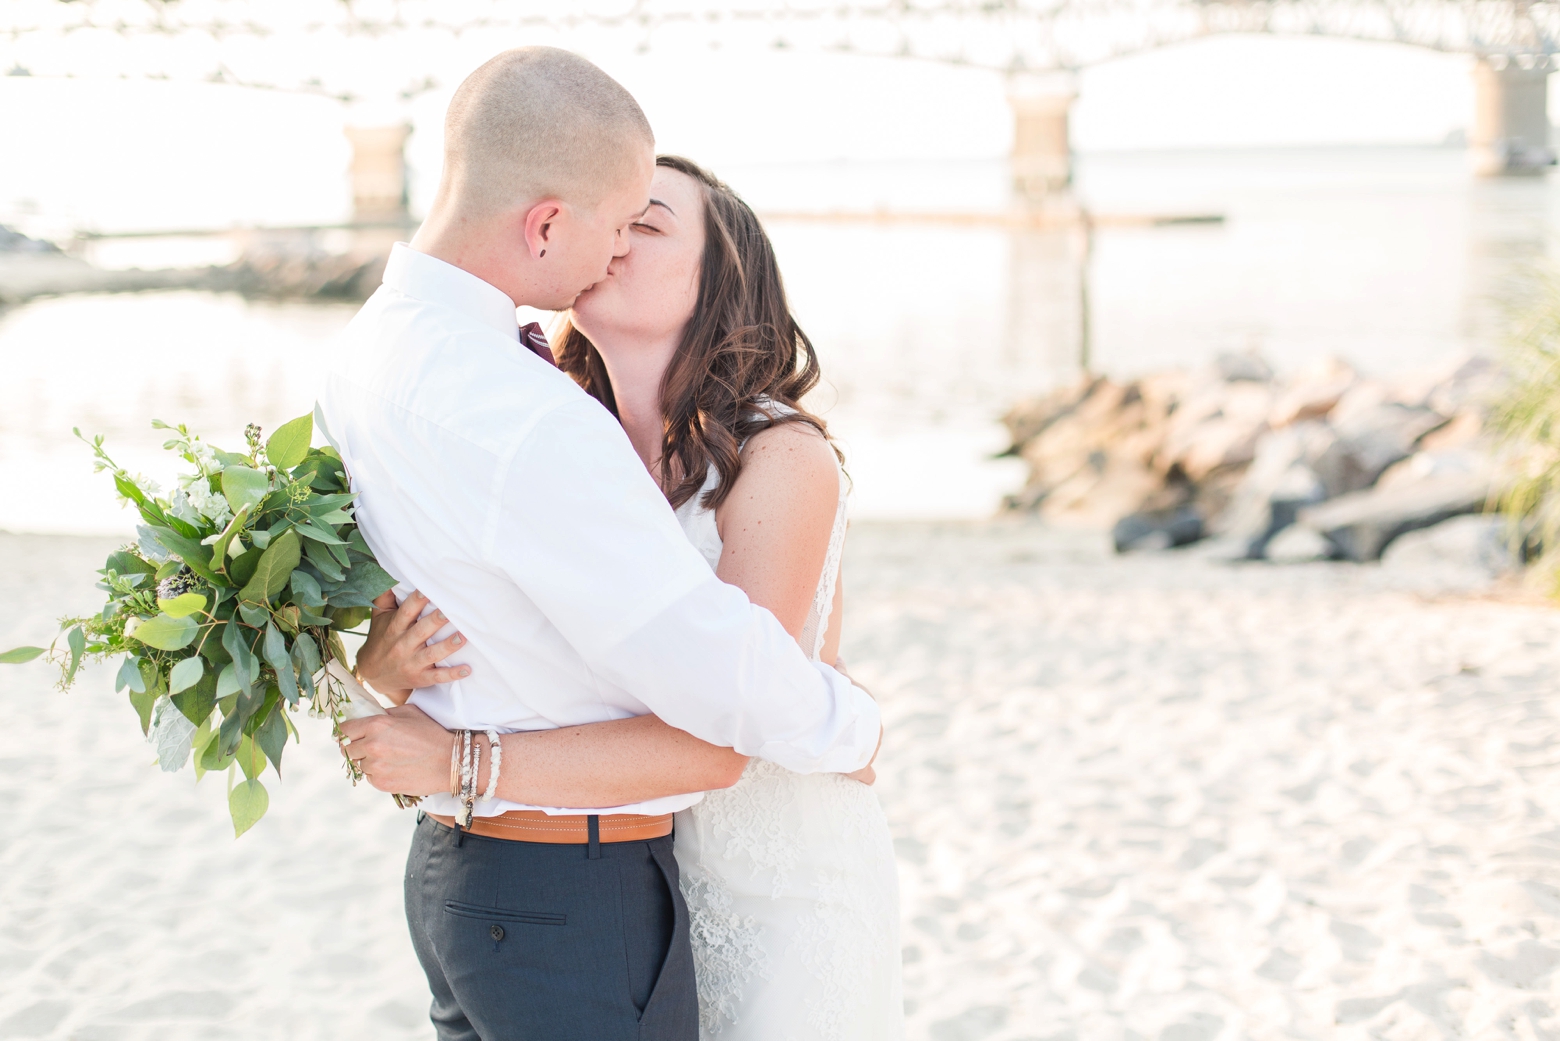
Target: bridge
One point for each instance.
(1039, 46)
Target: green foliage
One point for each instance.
(22, 654)
(165, 632)
(247, 803)
(274, 568)
(1527, 416)
(243, 487)
(290, 443)
(226, 608)
(186, 674)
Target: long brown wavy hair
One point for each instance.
(740, 347)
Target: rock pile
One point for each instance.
(13, 241)
(1322, 463)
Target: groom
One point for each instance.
(489, 481)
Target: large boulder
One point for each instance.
(1373, 433)
(1281, 481)
(1216, 427)
(1362, 524)
(1088, 451)
(1478, 545)
(1312, 393)
(1157, 529)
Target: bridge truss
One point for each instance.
(317, 45)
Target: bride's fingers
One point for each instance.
(438, 652)
(385, 603)
(424, 629)
(437, 675)
(411, 608)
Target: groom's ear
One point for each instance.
(541, 223)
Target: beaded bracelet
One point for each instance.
(496, 752)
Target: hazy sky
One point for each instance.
(121, 154)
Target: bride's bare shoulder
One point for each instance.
(793, 456)
(789, 479)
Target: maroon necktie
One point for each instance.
(535, 340)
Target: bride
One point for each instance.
(789, 878)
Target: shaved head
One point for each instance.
(540, 123)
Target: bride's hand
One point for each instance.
(866, 775)
(396, 658)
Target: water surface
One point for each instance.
(1393, 258)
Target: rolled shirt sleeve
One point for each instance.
(582, 529)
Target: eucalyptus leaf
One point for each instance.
(320, 534)
(19, 655)
(227, 737)
(320, 557)
(183, 605)
(150, 545)
(306, 591)
(219, 551)
(275, 568)
(349, 597)
(227, 681)
(198, 742)
(244, 487)
(250, 757)
(247, 803)
(186, 674)
(189, 550)
(172, 738)
(254, 614)
(196, 702)
(236, 642)
(76, 640)
(167, 633)
(130, 676)
(142, 702)
(271, 736)
(242, 569)
(290, 444)
(210, 756)
(276, 654)
(370, 579)
(307, 656)
(123, 562)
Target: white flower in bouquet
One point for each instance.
(207, 503)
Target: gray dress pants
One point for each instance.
(530, 941)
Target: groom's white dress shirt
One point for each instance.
(487, 479)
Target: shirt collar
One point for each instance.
(436, 282)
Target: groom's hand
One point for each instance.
(403, 751)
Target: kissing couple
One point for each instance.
(646, 810)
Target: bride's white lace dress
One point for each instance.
(790, 882)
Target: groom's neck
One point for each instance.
(474, 248)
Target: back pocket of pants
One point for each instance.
(499, 914)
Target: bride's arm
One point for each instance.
(775, 526)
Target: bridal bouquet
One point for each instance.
(226, 610)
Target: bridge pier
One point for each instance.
(1511, 133)
(1042, 151)
(379, 185)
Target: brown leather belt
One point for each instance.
(570, 829)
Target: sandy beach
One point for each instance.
(1133, 797)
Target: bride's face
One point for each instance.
(649, 293)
